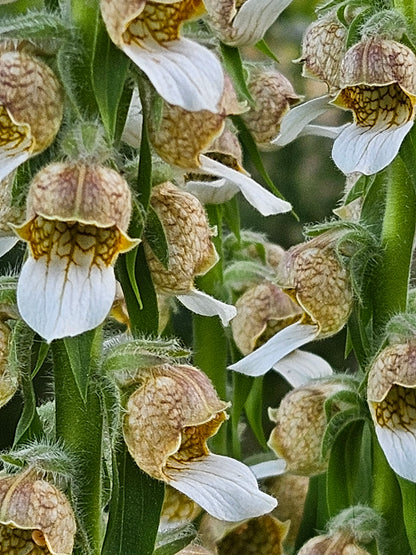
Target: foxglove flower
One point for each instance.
(190, 248)
(378, 84)
(182, 138)
(243, 22)
(31, 107)
(166, 426)
(300, 426)
(317, 281)
(35, 517)
(391, 395)
(182, 71)
(77, 217)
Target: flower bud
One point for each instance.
(323, 47)
(314, 276)
(391, 394)
(31, 108)
(35, 517)
(273, 95)
(8, 379)
(262, 311)
(191, 251)
(77, 217)
(194, 549)
(300, 426)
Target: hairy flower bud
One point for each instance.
(191, 251)
(35, 517)
(300, 425)
(168, 421)
(273, 95)
(262, 311)
(323, 47)
(77, 217)
(336, 544)
(31, 108)
(314, 276)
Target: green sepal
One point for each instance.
(20, 360)
(82, 355)
(354, 30)
(20, 7)
(243, 272)
(265, 48)
(34, 25)
(232, 216)
(253, 408)
(181, 538)
(134, 510)
(42, 354)
(234, 67)
(156, 237)
(109, 67)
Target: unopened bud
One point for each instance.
(188, 235)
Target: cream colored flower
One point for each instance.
(391, 394)
(243, 22)
(168, 421)
(191, 251)
(77, 217)
(35, 517)
(9, 214)
(317, 281)
(182, 71)
(9, 381)
(31, 107)
(185, 139)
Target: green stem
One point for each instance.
(79, 426)
(392, 275)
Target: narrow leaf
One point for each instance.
(80, 352)
(234, 67)
(254, 411)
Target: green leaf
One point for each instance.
(235, 69)
(241, 388)
(34, 25)
(336, 425)
(408, 490)
(109, 72)
(264, 47)
(42, 354)
(80, 351)
(20, 360)
(232, 216)
(134, 509)
(170, 542)
(156, 237)
(254, 411)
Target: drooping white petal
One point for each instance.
(182, 71)
(329, 131)
(224, 487)
(294, 122)
(268, 469)
(205, 305)
(10, 159)
(368, 150)
(299, 367)
(57, 299)
(212, 192)
(132, 132)
(254, 18)
(284, 342)
(399, 446)
(262, 199)
(7, 242)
